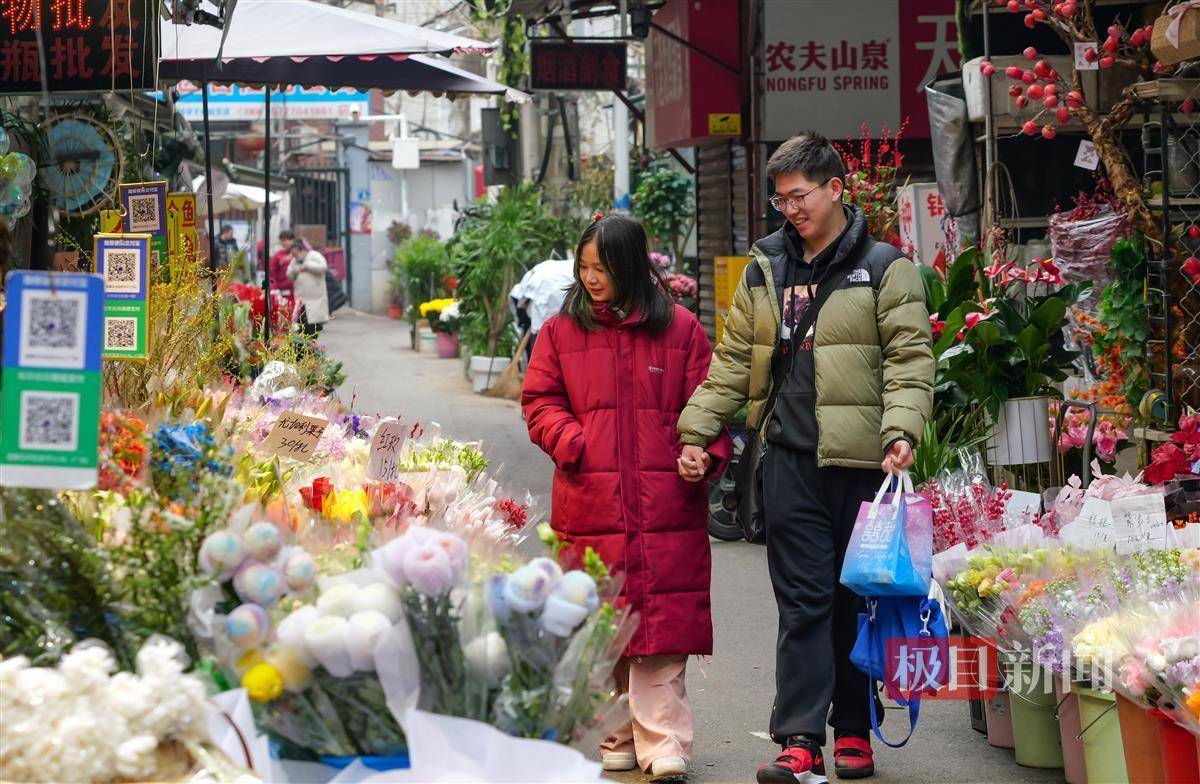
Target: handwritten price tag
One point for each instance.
(1096, 525)
(1140, 523)
(384, 462)
(295, 436)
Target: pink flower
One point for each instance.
(972, 319)
(429, 570)
(1107, 439)
(456, 550)
(1072, 438)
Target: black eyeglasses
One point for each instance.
(793, 203)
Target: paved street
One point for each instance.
(731, 691)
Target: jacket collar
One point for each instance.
(775, 246)
(609, 316)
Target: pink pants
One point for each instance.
(660, 717)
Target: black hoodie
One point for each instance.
(794, 423)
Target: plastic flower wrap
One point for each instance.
(978, 591)
(562, 639)
(967, 509)
(426, 567)
(79, 722)
(1161, 664)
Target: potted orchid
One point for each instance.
(1002, 348)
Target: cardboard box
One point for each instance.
(1189, 38)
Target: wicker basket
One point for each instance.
(1189, 38)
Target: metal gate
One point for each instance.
(321, 197)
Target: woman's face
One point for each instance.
(592, 274)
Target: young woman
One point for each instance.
(307, 272)
(604, 389)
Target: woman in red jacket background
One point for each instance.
(608, 378)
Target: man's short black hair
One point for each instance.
(809, 154)
(225, 228)
(286, 234)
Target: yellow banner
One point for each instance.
(728, 272)
(181, 219)
(111, 222)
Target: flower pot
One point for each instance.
(1069, 730)
(999, 718)
(428, 343)
(394, 762)
(395, 312)
(1100, 732)
(1036, 741)
(447, 345)
(486, 370)
(1178, 751)
(1139, 736)
(1021, 434)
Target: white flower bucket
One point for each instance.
(485, 371)
(1021, 434)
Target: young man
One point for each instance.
(854, 393)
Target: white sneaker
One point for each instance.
(618, 760)
(668, 768)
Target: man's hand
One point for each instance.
(693, 463)
(898, 457)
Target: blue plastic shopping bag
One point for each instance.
(891, 548)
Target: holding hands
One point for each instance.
(693, 463)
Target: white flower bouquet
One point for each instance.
(79, 722)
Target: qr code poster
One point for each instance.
(145, 205)
(120, 333)
(123, 260)
(50, 380)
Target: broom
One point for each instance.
(508, 385)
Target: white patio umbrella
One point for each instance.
(241, 198)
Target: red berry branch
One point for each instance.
(1062, 98)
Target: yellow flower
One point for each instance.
(435, 305)
(342, 505)
(263, 683)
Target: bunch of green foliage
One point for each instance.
(421, 265)
(663, 201)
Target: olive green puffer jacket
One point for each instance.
(872, 351)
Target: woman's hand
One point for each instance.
(693, 463)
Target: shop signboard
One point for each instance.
(87, 45)
(50, 380)
(122, 260)
(577, 66)
(690, 99)
(835, 65)
(181, 225)
(922, 213)
(237, 103)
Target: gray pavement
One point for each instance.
(731, 691)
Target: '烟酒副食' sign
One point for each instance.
(88, 45)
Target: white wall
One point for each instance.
(422, 198)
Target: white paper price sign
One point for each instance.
(1139, 523)
(386, 444)
(295, 436)
(1094, 526)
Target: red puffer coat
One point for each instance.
(604, 405)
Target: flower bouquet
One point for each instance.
(79, 722)
(1161, 668)
(562, 642)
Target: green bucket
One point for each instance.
(1036, 739)
(1103, 750)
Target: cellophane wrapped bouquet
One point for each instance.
(82, 722)
(1161, 665)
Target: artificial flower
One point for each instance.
(430, 570)
(263, 683)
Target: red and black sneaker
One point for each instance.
(800, 761)
(852, 757)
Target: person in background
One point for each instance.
(227, 246)
(307, 272)
(280, 262)
(609, 375)
(852, 385)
